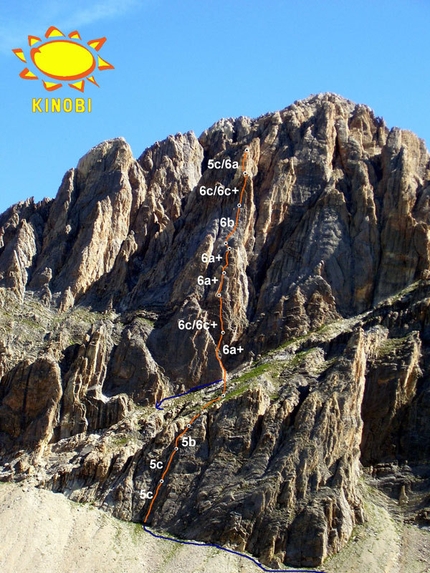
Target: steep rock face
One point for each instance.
(396, 401)
(84, 407)
(30, 395)
(335, 220)
(326, 292)
(21, 232)
(263, 459)
(391, 388)
(275, 468)
(90, 220)
(132, 369)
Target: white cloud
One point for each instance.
(83, 13)
(27, 17)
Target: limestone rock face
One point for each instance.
(30, 396)
(132, 368)
(21, 232)
(326, 293)
(90, 219)
(336, 220)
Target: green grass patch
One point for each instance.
(237, 391)
(257, 371)
(145, 321)
(137, 533)
(119, 441)
(244, 382)
(296, 360)
(391, 345)
(410, 288)
(291, 341)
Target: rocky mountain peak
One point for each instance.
(326, 295)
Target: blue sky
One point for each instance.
(182, 65)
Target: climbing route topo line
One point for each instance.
(208, 404)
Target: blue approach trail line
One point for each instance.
(201, 544)
(218, 352)
(193, 389)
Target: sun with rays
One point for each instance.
(63, 59)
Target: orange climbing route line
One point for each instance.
(223, 272)
(218, 346)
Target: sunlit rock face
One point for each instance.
(326, 292)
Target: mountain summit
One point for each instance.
(109, 293)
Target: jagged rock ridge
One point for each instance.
(335, 222)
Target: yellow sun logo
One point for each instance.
(63, 59)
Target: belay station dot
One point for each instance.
(219, 348)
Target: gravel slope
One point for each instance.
(45, 532)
